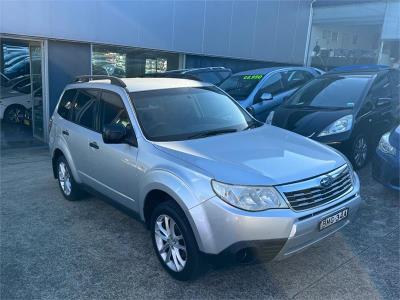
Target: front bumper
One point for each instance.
(275, 234)
(386, 170)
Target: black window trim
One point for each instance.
(73, 101)
(99, 113)
(96, 109)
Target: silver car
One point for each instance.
(209, 181)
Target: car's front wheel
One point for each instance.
(359, 151)
(174, 242)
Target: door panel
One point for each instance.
(81, 128)
(113, 170)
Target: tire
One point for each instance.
(70, 189)
(359, 151)
(181, 257)
(14, 114)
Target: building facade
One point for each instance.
(48, 43)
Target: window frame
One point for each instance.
(95, 112)
(73, 101)
(265, 80)
(100, 115)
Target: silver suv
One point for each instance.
(207, 179)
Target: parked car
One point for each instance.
(261, 90)
(15, 105)
(348, 110)
(386, 162)
(207, 179)
(214, 75)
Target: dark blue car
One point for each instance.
(261, 90)
(386, 163)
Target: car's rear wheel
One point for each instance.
(174, 242)
(15, 114)
(68, 186)
(359, 151)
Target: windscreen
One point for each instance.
(330, 92)
(183, 113)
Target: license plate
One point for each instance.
(332, 219)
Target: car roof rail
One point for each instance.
(113, 80)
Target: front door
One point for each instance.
(113, 166)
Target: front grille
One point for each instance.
(315, 195)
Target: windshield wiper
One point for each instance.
(211, 133)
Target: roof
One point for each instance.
(265, 71)
(363, 68)
(149, 83)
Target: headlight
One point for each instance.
(384, 145)
(270, 118)
(342, 125)
(252, 198)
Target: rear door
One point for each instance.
(81, 128)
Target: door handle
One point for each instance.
(94, 145)
(65, 132)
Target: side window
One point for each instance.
(381, 88)
(210, 77)
(84, 109)
(113, 111)
(296, 79)
(66, 103)
(273, 85)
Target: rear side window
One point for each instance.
(85, 108)
(66, 103)
(113, 111)
(210, 77)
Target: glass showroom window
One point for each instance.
(348, 34)
(131, 62)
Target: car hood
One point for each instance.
(307, 121)
(262, 156)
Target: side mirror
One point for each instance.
(383, 102)
(114, 134)
(266, 96)
(260, 97)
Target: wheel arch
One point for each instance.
(165, 186)
(60, 151)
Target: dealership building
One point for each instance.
(48, 43)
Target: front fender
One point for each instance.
(174, 186)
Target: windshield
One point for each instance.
(330, 92)
(240, 86)
(184, 113)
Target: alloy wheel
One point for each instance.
(64, 178)
(170, 243)
(360, 151)
(15, 115)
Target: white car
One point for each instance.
(14, 108)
